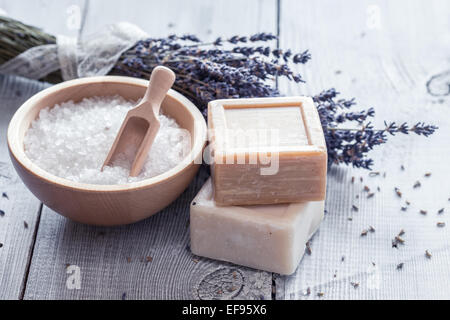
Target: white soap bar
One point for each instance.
(265, 237)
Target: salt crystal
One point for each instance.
(71, 140)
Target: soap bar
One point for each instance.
(267, 151)
(265, 237)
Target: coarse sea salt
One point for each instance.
(71, 140)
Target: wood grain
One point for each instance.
(150, 259)
(21, 209)
(383, 53)
(390, 55)
(147, 260)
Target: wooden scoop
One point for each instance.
(141, 124)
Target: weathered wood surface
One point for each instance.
(206, 19)
(383, 53)
(147, 260)
(16, 241)
(56, 17)
(150, 259)
(18, 205)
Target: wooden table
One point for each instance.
(381, 52)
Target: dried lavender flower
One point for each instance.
(351, 146)
(246, 67)
(398, 239)
(208, 71)
(308, 248)
(307, 292)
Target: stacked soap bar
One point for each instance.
(265, 151)
(266, 195)
(266, 237)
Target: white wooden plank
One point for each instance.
(113, 261)
(385, 65)
(206, 19)
(147, 260)
(56, 17)
(17, 203)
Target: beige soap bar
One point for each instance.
(267, 150)
(266, 237)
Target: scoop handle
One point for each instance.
(161, 80)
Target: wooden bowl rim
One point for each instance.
(18, 151)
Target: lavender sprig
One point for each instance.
(352, 145)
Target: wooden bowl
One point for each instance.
(106, 204)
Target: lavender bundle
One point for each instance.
(207, 71)
(237, 67)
